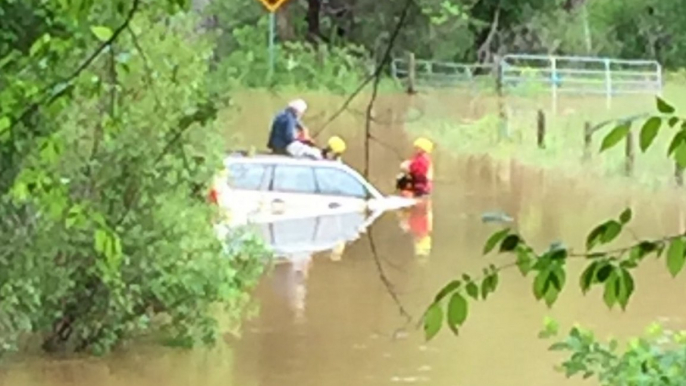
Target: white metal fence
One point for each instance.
(560, 74)
(582, 75)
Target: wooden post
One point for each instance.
(629, 153)
(678, 174)
(411, 74)
(540, 129)
(588, 140)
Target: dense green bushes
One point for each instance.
(105, 230)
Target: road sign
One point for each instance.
(272, 5)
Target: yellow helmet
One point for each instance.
(337, 144)
(424, 144)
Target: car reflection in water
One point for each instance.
(418, 221)
(294, 241)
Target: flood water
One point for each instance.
(329, 320)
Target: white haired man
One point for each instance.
(286, 130)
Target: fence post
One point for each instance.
(411, 74)
(629, 153)
(540, 129)
(588, 140)
(678, 174)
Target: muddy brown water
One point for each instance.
(330, 320)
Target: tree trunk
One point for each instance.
(312, 18)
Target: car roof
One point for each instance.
(243, 158)
(280, 159)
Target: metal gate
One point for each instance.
(581, 75)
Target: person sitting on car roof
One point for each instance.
(287, 130)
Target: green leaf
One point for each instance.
(595, 236)
(485, 288)
(645, 247)
(603, 272)
(648, 132)
(554, 280)
(610, 291)
(509, 243)
(472, 290)
(102, 33)
(5, 124)
(73, 216)
(675, 256)
(539, 286)
(524, 261)
(680, 155)
(673, 121)
(493, 281)
(664, 107)
(39, 43)
(432, 321)
(612, 230)
(626, 216)
(101, 240)
(550, 327)
(551, 297)
(447, 290)
(558, 254)
(494, 240)
(587, 277)
(559, 346)
(615, 136)
(626, 288)
(678, 139)
(457, 310)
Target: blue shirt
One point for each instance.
(283, 131)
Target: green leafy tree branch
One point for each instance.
(609, 269)
(104, 231)
(658, 357)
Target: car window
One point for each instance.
(337, 182)
(294, 179)
(246, 176)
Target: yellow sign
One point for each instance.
(272, 5)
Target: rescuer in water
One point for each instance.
(416, 178)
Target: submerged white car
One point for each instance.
(268, 188)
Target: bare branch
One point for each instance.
(384, 279)
(375, 76)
